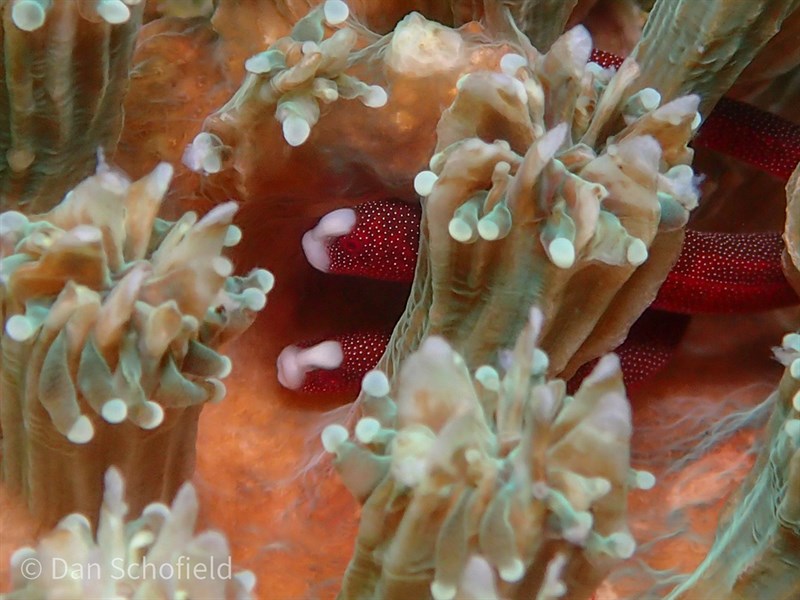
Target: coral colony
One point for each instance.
(559, 208)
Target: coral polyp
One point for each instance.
(479, 485)
(520, 247)
(112, 319)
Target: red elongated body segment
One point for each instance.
(377, 239)
(606, 59)
(753, 136)
(647, 349)
(329, 366)
(726, 273)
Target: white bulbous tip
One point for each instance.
(623, 545)
(316, 252)
(650, 98)
(511, 63)
(114, 411)
(333, 436)
(443, 591)
(513, 571)
(366, 430)
(20, 555)
(637, 252)
(540, 360)
(792, 426)
(12, 221)
(203, 154)
(295, 130)
(460, 230)
(82, 430)
(697, 121)
(424, 182)
(796, 401)
(488, 377)
(375, 384)
(791, 341)
(20, 328)
(218, 394)
(295, 362)
(152, 415)
(226, 368)
(376, 97)
(254, 299)
(222, 266)
(562, 253)
(335, 11)
(265, 280)
(29, 15)
(113, 11)
(232, 236)
(794, 368)
(488, 230)
(247, 579)
(156, 509)
(315, 241)
(75, 522)
(645, 480)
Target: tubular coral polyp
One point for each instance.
(156, 555)
(111, 321)
(582, 185)
(478, 485)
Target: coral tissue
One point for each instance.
(112, 320)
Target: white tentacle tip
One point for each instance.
(512, 62)
(637, 252)
(29, 15)
(20, 328)
(296, 130)
(424, 182)
(513, 571)
(114, 411)
(82, 430)
(333, 436)
(152, 417)
(562, 253)
(335, 11)
(376, 97)
(367, 429)
(113, 11)
(375, 384)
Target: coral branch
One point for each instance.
(487, 486)
(528, 200)
(702, 47)
(157, 555)
(64, 74)
(111, 323)
(755, 552)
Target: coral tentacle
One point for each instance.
(744, 132)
